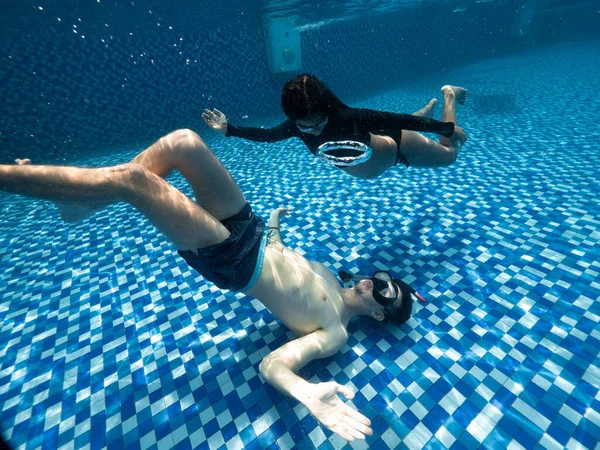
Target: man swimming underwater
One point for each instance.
(220, 237)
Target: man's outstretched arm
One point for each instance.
(321, 399)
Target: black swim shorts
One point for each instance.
(236, 262)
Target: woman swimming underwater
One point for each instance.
(362, 142)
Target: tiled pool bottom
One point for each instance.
(108, 340)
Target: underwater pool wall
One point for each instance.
(77, 87)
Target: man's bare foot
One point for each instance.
(460, 94)
(428, 110)
(69, 213)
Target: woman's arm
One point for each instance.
(283, 131)
(218, 122)
(381, 121)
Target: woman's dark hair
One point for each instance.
(305, 94)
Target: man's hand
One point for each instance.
(324, 404)
(282, 211)
(216, 120)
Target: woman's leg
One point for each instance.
(421, 151)
(385, 150)
(179, 218)
(427, 111)
(383, 157)
(452, 94)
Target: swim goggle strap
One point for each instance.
(344, 153)
(385, 288)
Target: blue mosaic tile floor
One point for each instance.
(108, 340)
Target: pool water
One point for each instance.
(109, 340)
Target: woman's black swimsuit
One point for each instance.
(348, 124)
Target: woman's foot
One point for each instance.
(68, 213)
(428, 110)
(459, 94)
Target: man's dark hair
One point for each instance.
(402, 313)
(305, 94)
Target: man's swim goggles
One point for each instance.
(385, 287)
(344, 153)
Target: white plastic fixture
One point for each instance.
(522, 19)
(282, 42)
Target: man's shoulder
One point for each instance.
(337, 335)
(331, 339)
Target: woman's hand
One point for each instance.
(459, 137)
(324, 404)
(216, 120)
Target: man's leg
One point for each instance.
(184, 222)
(185, 151)
(71, 212)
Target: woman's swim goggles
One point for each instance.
(321, 123)
(344, 153)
